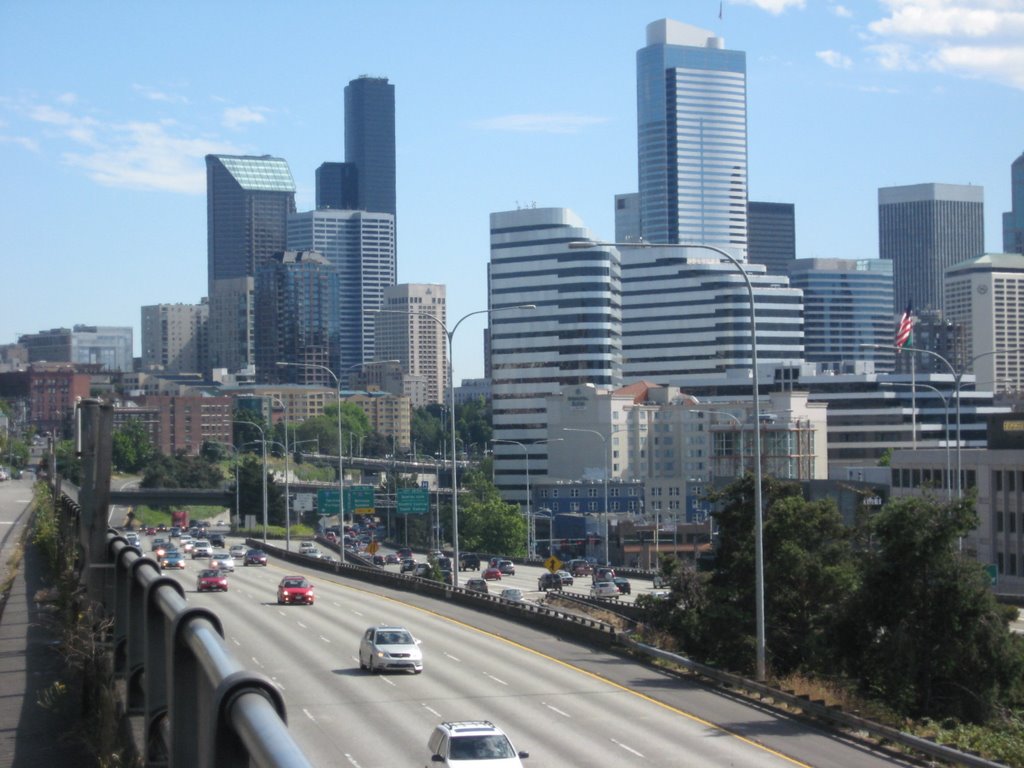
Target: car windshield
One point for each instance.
(394, 637)
(294, 583)
(490, 747)
(209, 574)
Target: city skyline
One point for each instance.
(104, 154)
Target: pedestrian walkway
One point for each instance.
(31, 735)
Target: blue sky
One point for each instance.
(107, 109)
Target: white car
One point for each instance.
(512, 593)
(200, 548)
(473, 743)
(238, 550)
(604, 589)
(390, 648)
(222, 561)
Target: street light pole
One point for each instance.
(287, 494)
(263, 440)
(607, 471)
(945, 405)
(755, 386)
(531, 540)
(450, 334)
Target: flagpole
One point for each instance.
(913, 402)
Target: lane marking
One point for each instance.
(431, 710)
(256, 662)
(389, 682)
(453, 658)
(628, 749)
(556, 710)
(308, 714)
(301, 625)
(351, 760)
(495, 679)
(324, 639)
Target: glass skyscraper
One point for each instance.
(692, 138)
(1013, 220)
(771, 236)
(370, 141)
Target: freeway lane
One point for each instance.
(566, 704)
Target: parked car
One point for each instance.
(549, 581)
(469, 561)
(211, 580)
(384, 648)
(255, 557)
(172, 558)
(623, 584)
(472, 743)
(295, 589)
(604, 589)
(222, 561)
(491, 574)
(477, 585)
(513, 594)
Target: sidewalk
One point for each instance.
(32, 736)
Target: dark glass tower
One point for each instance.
(337, 186)
(1013, 220)
(771, 236)
(370, 141)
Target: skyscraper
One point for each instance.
(337, 186)
(416, 341)
(1013, 220)
(847, 304)
(248, 200)
(572, 338)
(771, 236)
(296, 318)
(174, 337)
(923, 229)
(361, 247)
(370, 141)
(692, 138)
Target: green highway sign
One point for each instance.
(327, 502)
(413, 501)
(359, 500)
(992, 570)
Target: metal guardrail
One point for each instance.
(199, 705)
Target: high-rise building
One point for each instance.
(848, 306)
(416, 341)
(360, 245)
(337, 186)
(923, 229)
(771, 236)
(686, 311)
(174, 337)
(692, 138)
(572, 338)
(296, 318)
(370, 141)
(248, 200)
(108, 347)
(1013, 220)
(986, 296)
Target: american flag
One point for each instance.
(905, 329)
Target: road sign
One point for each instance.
(372, 547)
(303, 502)
(553, 564)
(993, 573)
(327, 501)
(413, 501)
(359, 499)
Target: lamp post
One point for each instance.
(756, 394)
(945, 405)
(263, 440)
(607, 471)
(531, 541)
(287, 495)
(450, 334)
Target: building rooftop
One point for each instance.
(259, 174)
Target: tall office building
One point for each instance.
(174, 337)
(361, 247)
(686, 312)
(296, 318)
(923, 229)
(692, 138)
(771, 236)
(248, 200)
(572, 339)
(109, 347)
(370, 141)
(986, 296)
(337, 186)
(415, 340)
(1013, 220)
(848, 304)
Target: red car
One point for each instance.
(294, 589)
(491, 574)
(211, 580)
(255, 557)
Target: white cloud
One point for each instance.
(237, 116)
(67, 98)
(23, 141)
(835, 59)
(952, 19)
(157, 95)
(842, 11)
(555, 123)
(772, 6)
(1004, 65)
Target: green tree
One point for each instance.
(181, 471)
(132, 448)
(924, 631)
(427, 430)
(68, 464)
(250, 494)
(486, 523)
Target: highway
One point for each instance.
(566, 704)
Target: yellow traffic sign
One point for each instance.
(372, 547)
(553, 564)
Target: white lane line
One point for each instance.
(235, 641)
(556, 710)
(281, 612)
(628, 749)
(256, 662)
(453, 658)
(308, 714)
(495, 679)
(351, 760)
(324, 639)
(301, 625)
(388, 682)
(277, 683)
(431, 710)
(336, 605)
(357, 613)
